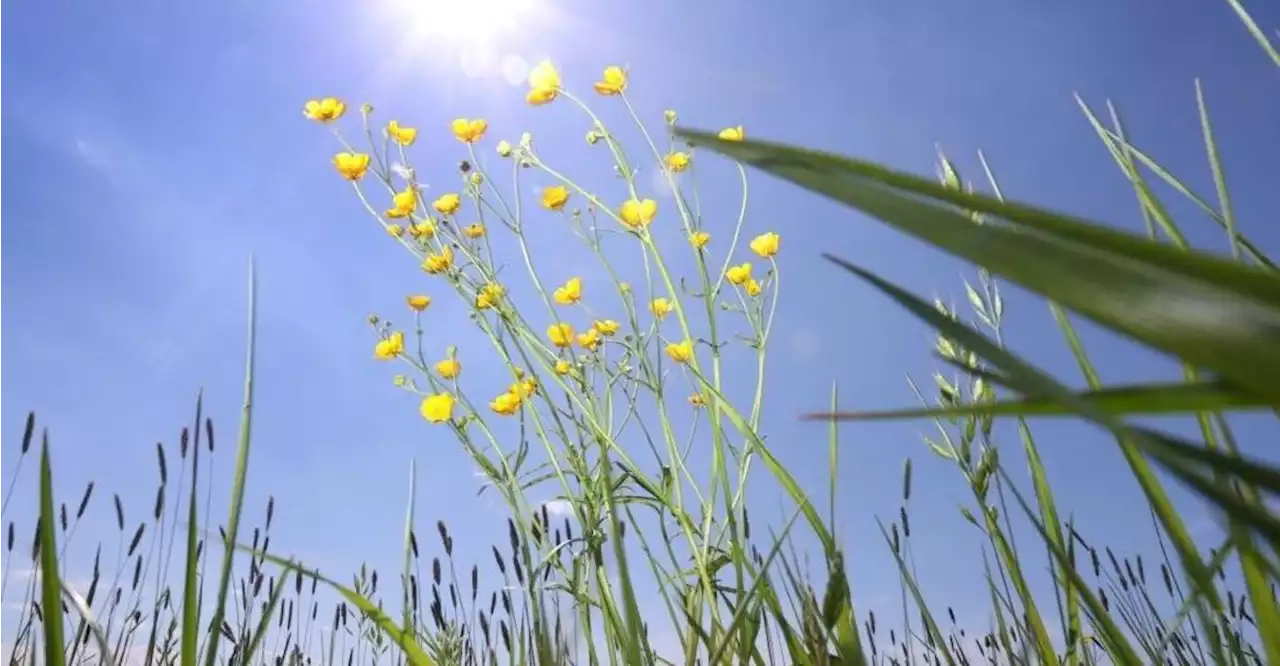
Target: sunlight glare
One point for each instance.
(472, 25)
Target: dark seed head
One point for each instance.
(84, 501)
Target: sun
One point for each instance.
(463, 23)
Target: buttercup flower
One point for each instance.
(677, 162)
(389, 347)
(680, 352)
(699, 239)
(449, 368)
(425, 230)
(403, 203)
(504, 149)
(351, 165)
(438, 263)
(419, 302)
(638, 214)
(404, 136)
(469, 131)
(447, 204)
(506, 404)
(561, 334)
(395, 230)
(570, 293)
(324, 110)
(660, 307)
(527, 388)
(606, 326)
(670, 116)
(475, 230)
(697, 400)
(544, 83)
(752, 288)
(613, 82)
(437, 408)
(555, 197)
(489, 296)
(738, 274)
(563, 367)
(733, 133)
(589, 340)
(765, 245)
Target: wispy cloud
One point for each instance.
(93, 154)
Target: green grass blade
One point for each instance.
(926, 616)
(1146, 399)
(264, 622)
(50, 582)
(1215, 165)
(95, 630)
(1258, 34)
(190, 587)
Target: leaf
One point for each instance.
(50, 585)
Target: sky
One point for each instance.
(155, 147)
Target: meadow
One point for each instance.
(615, 384)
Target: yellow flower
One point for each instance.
(637, 214)
(613, 82)
(404, 136)
(475, 230)
(699, 239)
(424, 230)
(561, 334)
(489, 295)
(526, 388)
(351, 165)
(606, 326)
(389, 347)
(697, 400)
(570, 293)
(752, 288)
(733, 133)
(670, 116)
(395, 230)
(589, 340)
(506, 404)
(403, 203)
(563, 367)
(400, 380)
(544, 83)
(677, 162)
(738, 274)
(555, 197)
(324, 110)
(469, 131)
(660, 307)
(765, 245)
(438, 263)
(447, 204)
(419, 302)
(680, 352)
(504, 149)
(449, 368)
(437, 408)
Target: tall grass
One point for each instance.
(614, 380)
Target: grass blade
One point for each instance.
(50, 584)
(190, 587)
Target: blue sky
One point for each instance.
(154, 148)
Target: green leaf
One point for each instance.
(50, 583)
(1148, 399)
(188, 654)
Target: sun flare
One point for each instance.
(463, 23)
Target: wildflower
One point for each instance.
(437, 408)
(449, 368)
(733, 133)
(699, 239)
(677, 162)
(366, 109)
(476, 179)
(400, 380)
(593, 137)
(447, 204)
(438, 263)
(389, 347)
(680, 352)
(324, 110)
(752, 288)
(469, 131)
(504, 149)
(351, 165)
(555, 197)
(424, 230)
(506, 404)
(475, 230)
(697, 400)
(660, 307)
(403, 203)
(638, 214)
(563, 367)
(670, 116)
(570, 293)
(561, 334)
(606, 326)
(395, 230)
(527, 388)
(613, 82)
(419, 302)
(738, 274)
(589, 340)
(489, 296)
(404, 136)
(544, 83)
(765, 245)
